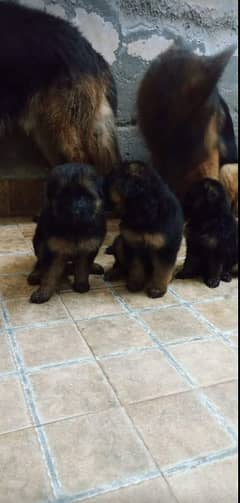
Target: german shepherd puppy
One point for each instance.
(57, 88)
(185, 122)
(211, 234)
(150, 230)
(70, 228)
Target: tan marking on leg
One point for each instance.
(156, 240)
(103, 145)
(161, 277)
(229, 179)
(50, 280)
(210, 167)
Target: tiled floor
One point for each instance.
(110, 397)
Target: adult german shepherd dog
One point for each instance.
(184, 120)
(57, 88)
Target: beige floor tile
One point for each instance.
(208, 362)
(110, 335)
(234, 340)
(178, 427)
(215, 483)
(174, 324)
(183, 248)
(13, 245)
(12, 240)
(71, 391)
(152, 491)
(23, 476)
(194, 290)
(105, 260)
(1, 322)
(27, 229)
(11, 264)
(22, 312)
(142, 376)
(225, 397)
(6, 360)
(140, 300)
(222, 313)
(41, 346)
(91, 304)
(14, 414)
(15, 286)
(96, 449)
(10, 232)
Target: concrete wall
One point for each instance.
(130, 33)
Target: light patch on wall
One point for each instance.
(37, 4)
(149, 48)
(56, 10)
(100, 33)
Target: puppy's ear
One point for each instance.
(206, 75)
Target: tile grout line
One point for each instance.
(29, 397)
(110, 488)
(7, 374)
(193, 463)
(203, 399)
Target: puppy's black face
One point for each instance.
(205, 199)
(128, 187)
(74, 197)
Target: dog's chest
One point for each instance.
(71, 248)
(150, 240)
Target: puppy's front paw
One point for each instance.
(39, 296)
(81, 287)
(212, 282)
(226, 276)
(155, 293)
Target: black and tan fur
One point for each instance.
(229, 179)
(150, 229)
(57, 88)
(185, 122)
(70, 230)
(211, 234)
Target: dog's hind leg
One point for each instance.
(103, 145)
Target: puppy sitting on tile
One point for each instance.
(211, 234)
(150, 230)
(71, 228)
